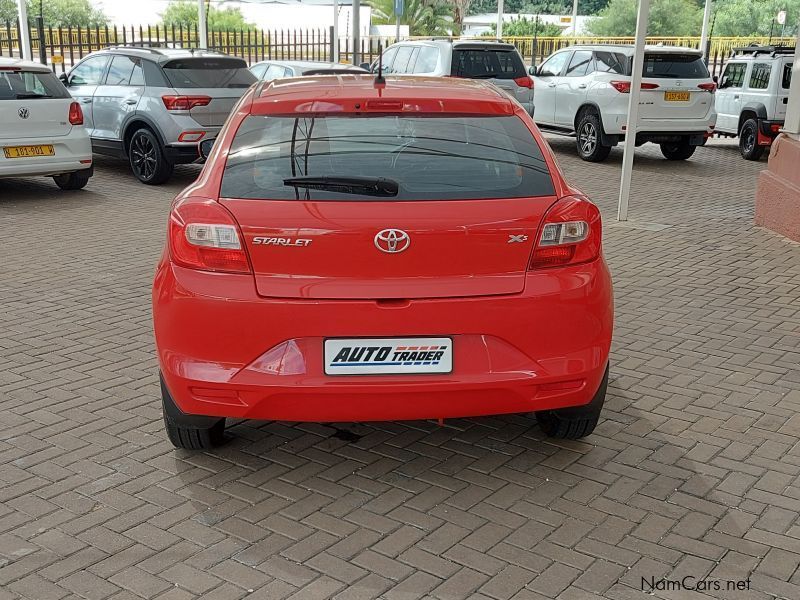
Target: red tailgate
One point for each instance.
(306, 249)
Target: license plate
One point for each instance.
(388, 356)
(676, 96)
(28, 151)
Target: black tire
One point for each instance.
(575, 422)
(748, 141)
(588, 138)
(188, 432)
(147, 159)
(677, 150)
(73, 181)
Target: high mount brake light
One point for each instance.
(203, 235)
(624, 87)
(185, 102)
(571, 234)
(75, 114)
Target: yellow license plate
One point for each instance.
(28, 151)
(676, 96)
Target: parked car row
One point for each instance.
(153, 106)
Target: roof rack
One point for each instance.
(147, 46)
(773, 50)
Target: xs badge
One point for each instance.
(517, 239)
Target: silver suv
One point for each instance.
(153, 106)
(471, 59)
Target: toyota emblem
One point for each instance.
(23, 113)
(392, 241)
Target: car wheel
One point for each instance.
(147, 158)
(677, 151)
(748, 141)
(588, 138)
(187, 432)
(72, 181)
(574, 422)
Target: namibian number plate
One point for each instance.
(28, 151)
(384, 356)
(676, 96)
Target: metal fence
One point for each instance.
(65, 46)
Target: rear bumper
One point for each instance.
(614, 124)
(542, 349)
(70, 150)
(768, 131)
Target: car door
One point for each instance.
(82, 83)
(117, 96)
(544, 87)
(572, 87)
(728, 102)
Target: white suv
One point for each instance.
(752, 96)
(41, 126)
(583, 91)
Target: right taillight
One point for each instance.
(204, 235)
(524, 81)
(75, 114)
(571, 234)
(185, 102)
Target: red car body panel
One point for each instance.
(250, 345)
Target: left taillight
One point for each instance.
(571, 234)
(524, 81)
(203, 235)
(75, 114)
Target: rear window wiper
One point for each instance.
(367, 186)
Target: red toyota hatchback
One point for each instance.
(355, 251)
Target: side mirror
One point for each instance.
(715, 79)
(205, 147)
(365, 66)
(533, 70)
(64, 79)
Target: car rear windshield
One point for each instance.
(429, 157)
(490, 63)
(208, 73)
(30, 85)
(669, 65)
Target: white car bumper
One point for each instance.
(614, 124)
(73, 152)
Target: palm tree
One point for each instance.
(423, 17)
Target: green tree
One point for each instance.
(754, 17)
(57, 13)
(667, 17)
(184, 12)
(525, 27)
(422, 18)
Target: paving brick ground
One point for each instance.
(694, 470)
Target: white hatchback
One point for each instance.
(584, 91)
(42, 129)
